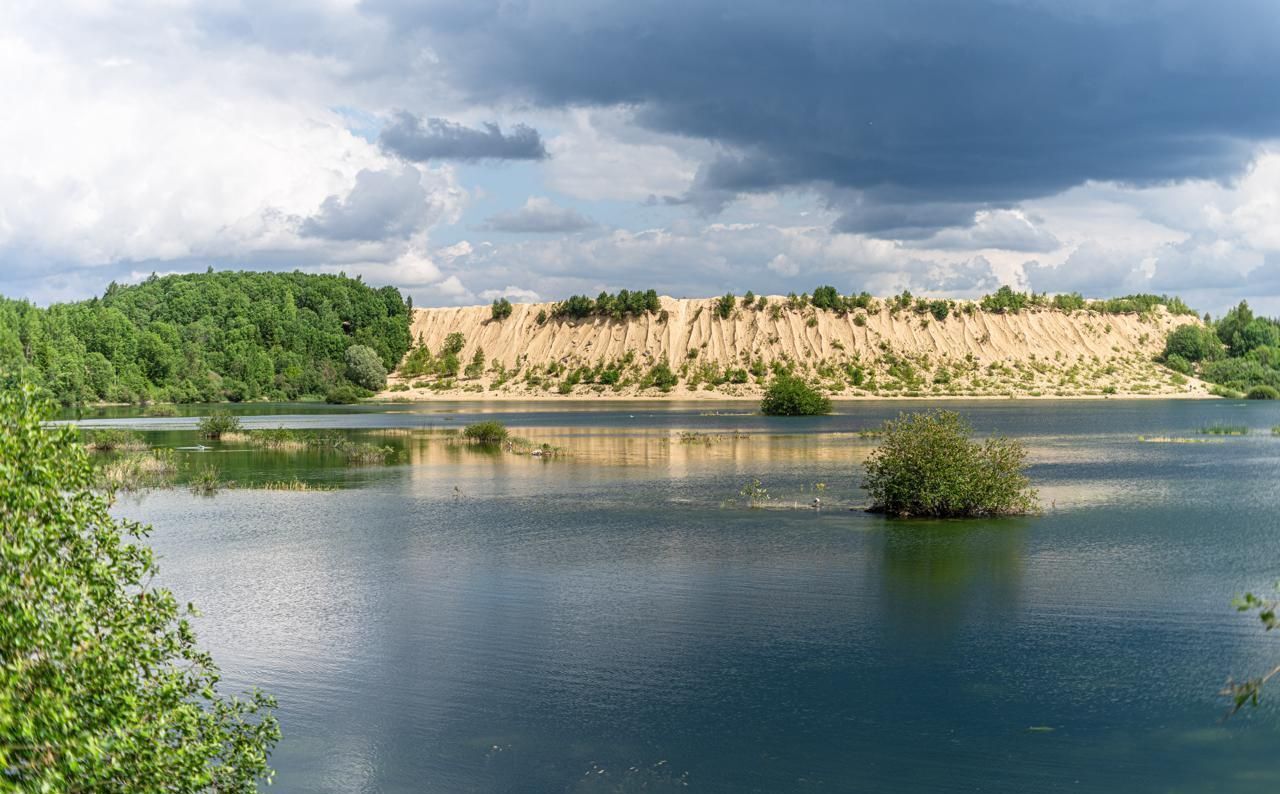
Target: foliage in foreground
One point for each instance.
(1249, 691)
(791, 396)
(102, 686)
(489, 432)
(927, 467)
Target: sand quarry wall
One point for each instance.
(803, 335)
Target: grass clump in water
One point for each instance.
(755, 493)
(363, 454)
(283, 439)
(1224, 430)
(490, 432)
(115, 440)
(206, 481)
(523, 446)
(138, 471)
(791, 396)
(160, 410)
(295, 485)
(926, 467)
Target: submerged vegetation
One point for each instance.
(102, 685)
(114, 440)
(204, 337)
(285, 439)
(1224, 430)
(137, 471)
(205, 481)
(926, 467)
(129, 464)
(755, 493)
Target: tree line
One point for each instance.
(208, 337)
(1240, 352)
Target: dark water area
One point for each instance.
(619, 619)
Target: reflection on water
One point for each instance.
(618, 620)
(938, 575)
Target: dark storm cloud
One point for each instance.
(440, 139)
(901, 220)
(972, 104)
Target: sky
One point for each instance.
(468, 149)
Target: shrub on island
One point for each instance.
(217, 424)
(489, 432)
(791, 396)
(926, 467)
(1262, 392)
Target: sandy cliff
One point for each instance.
(859, 354)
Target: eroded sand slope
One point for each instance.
(860, 354)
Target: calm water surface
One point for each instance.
(617, 620)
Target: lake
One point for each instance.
(619, 619)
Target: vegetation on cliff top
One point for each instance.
(624, 304)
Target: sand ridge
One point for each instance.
(1035, 352)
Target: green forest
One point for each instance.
(207, 337)
(1240, 352)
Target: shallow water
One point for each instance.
(618, 620)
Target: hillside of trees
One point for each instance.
(205, 337)
(1240, 352)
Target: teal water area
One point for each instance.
(619, 619)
